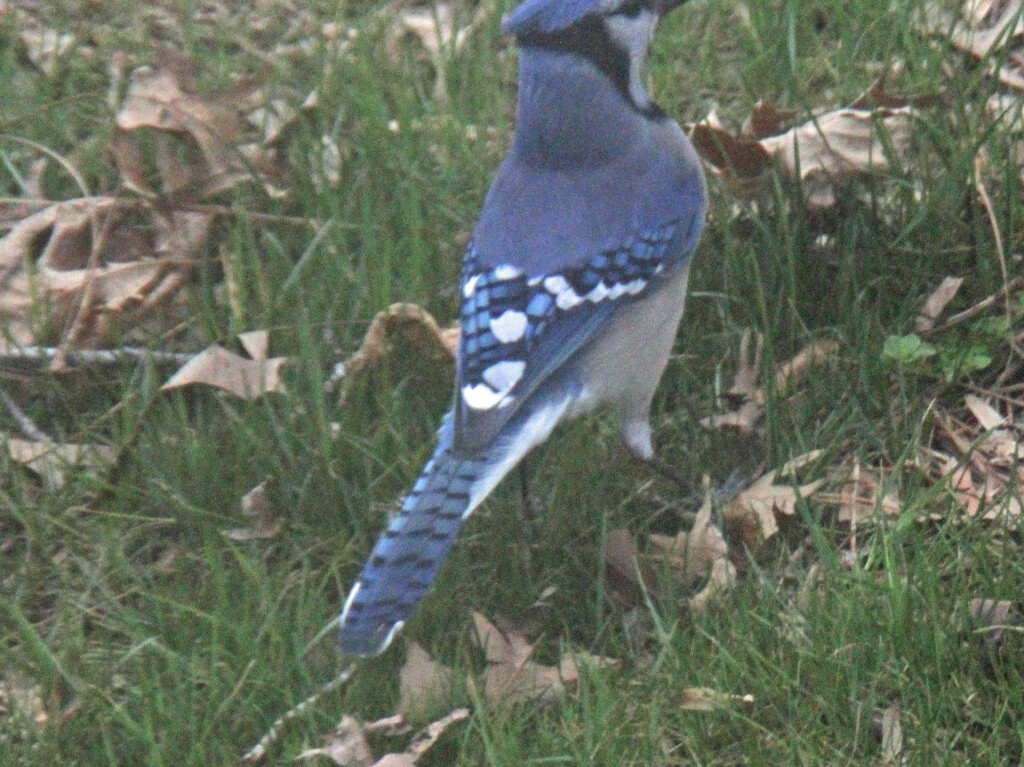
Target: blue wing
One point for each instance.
(517, 329)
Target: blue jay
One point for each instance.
(572, 287)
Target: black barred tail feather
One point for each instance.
(408, 555)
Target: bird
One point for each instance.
(572, 290)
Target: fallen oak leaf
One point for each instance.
(256, 343)
(159, 100)
(410, 322)
(346, 746)
(891, 735)
(422, 683)
(423, 741)
(722, 579)
(86, 263)
(837, 145)
(222, 369)
(755, 510)
(690, 554)
(981, 29)
(751, 397)
(744, 387)
(862, 494)
(629, 573)
(257, 507)
(52, 460)
(821, 153)
(511, 677)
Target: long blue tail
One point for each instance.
(408, 555)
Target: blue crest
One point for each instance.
(548, 16)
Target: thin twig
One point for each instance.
(38, 356)
(979, 307)
(31, 206)
(26, 424)
(257, 752)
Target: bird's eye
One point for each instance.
(631, 8)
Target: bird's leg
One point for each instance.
(636, 436)
(526, 513)
(659, 465)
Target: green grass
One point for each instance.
(155, 640)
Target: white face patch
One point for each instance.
(504, 375)
(509, 327)
(633, 34)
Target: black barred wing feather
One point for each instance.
(518, 328)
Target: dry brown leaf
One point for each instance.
(744, 387)
(256, 506)
(389, 726)
(511, 677)
(708, 699)
(937, 302)
(987, 416)
(991, 619)
(981, 28)
(756, 509)
(346, 746)
(161, 100)
(43, 46)
(423, 741)
(422, 683)
(690, 554)
(740, 161)
(878, 95)
(985, 476)
(822, 153)
(434, 26)
(892, 735)
(52, 460)
(722, 579)
(86, 265)
(863, 493)
(623, 560)
(218, 367)
(814, 353)
(828, 150)
(256, 343)
(984, 24)
(415, 326)
(766, 120)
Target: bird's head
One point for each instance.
(548, 17)
(612, 34)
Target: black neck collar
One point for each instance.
(589, 39)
